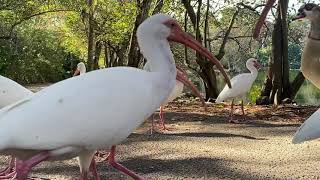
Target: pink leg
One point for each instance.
(152, 125)
(162, 121)
(23, 167)
(242, 108)
(162, 118)
(231, 114)
(120, 167)
(84, 175)
(93, 170)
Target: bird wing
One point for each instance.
(309, 130)
(241, 84)
(97, 109)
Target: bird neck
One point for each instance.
(82, 71)
(253, 70)
(315, 30)
(161, 62)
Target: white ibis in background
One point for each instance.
(176, 92)
(81, 69)
(241, 84)
(11, 92)
(82, 114)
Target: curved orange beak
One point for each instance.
(262, 18)
(76, 72)
(181, 76)
(178, 35)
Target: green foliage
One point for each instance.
(254, 93)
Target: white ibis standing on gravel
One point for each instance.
(79, 115)
(241, 84)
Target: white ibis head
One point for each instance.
(81, 68)
(309, 11)
(252, 62)
(162, 27)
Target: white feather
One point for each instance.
(309, 130)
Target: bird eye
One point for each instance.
(172, 25)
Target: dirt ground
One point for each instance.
(202, 145)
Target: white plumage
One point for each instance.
(309, 130)
(11, 92)
(241, 84)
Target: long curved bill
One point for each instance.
(262, 18)
(77, 72)
(181, 76)
(178, 35)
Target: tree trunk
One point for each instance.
(90, 36)
(142, 13)
(296, 84)
(277, 86)
(207, 73)
(97, 55)
(106, 56)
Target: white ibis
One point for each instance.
(176, 92)
(81, 69)
(241, 84)
(309, 130)
(11, 92)
(83, 114)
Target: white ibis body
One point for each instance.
(241, 84)
(82, 113)
(11, 92)
(309, 130)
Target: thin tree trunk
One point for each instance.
(296, 84)
(97, 55)
(90, 36)
(142, 14)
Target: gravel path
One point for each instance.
(203, 146)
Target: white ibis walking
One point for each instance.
(11, 92)
(241, 84)
(77, 116)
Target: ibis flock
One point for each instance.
(77, 116)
